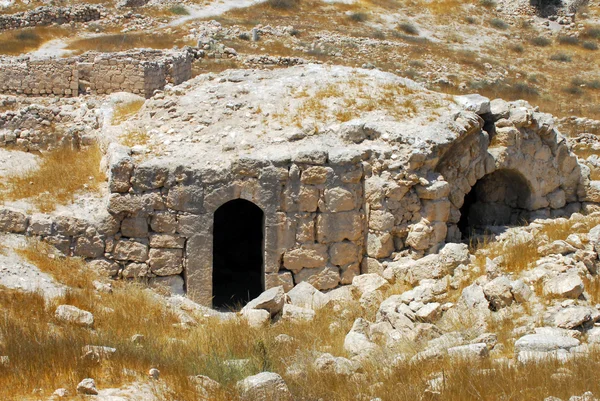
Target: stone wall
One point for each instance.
(140, 72)
(24, 76)
(51, 15)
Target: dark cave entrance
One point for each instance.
(237, 253)
(498, 199)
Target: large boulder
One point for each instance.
(545, 343)
(305, 295)
(271, 300)
(568, 285)
(265, 386)
(357, 341)
(73, 315)
(498, 292)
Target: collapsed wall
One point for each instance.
(51, 15)
(140, 72)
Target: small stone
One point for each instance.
(87, 387)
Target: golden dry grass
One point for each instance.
(55, 360)
(61, 174)
(16, 42)
(125, 110)
(127, 41)
(135, 137)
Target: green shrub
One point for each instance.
(487, 3)
(471, 20)
(283, 4)
(568, 40)
(589, 45)
(541, 41)
(408, 28)
(518, 48)
(358, 17)
(498, 23)
(563, 57)
(592, 32)
(179, 10)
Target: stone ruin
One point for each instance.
(354, 201)
(140, 72)
(43, 16)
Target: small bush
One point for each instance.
(179, 10)
(408, 28)
(562, 57)
(471, 20)
(487, 3)
(589, 45)
(378, 35)
(541, 41)
(283, 4)
(518, 48)
(573, 90)
(27, 36)
(592, 32)
(358, 17)
(568, 40)
(595, 84)
(525, 89)
(498, 23)
(244, 36)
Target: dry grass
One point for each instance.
(127, 41)
(16, 42)
(135, 137)
(124, 111)
(54, 359)
(60, 175)
(349, 99)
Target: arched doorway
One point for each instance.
(498, 199)
(237, 253)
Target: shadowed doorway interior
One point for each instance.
(237, 253)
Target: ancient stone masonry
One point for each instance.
(140, 72)
(370, 193)
(51, 15)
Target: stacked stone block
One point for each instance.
(51, 15)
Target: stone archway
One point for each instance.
(238, 243)
(498, 199)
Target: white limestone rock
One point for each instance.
(265, 386)
(73, 315)
(271, 300)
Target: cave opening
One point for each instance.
(497, 199)
(237, 254)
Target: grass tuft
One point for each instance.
(61, 174)
(125, 110)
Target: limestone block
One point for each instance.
(307, 256)
(164, 222)
(474, 102)
(592, 192)
(166, 262)
(271, 300)
(308, 198)
(265, 386)
(108, 225)
(173, 284)
(498, 292)
(130, 205)
(337, 227)
(419, 235)
(12, 221)
(135, 270)
(371, 265)
(499, 109)
(305, 231)
(120, 167)
(397, 190)
(148, 177)
(134, 250)
(40, 224)
(134, 227)
(381, 220)
(339, 200)
(348, 272)
(166, 241)
(295, 313)
(322, 278)
(89, 247)
(380, 246)
(284, 279)
(343, 253)
(438, 210)
(107, 268)
(316, 175)
(185, 198)
(435, 190)
(566, 285)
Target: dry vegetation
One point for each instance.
(16, 42)
(125, 110)
(127, 41)
(61, 174)
(55, 360)
(519, 252)
(346, 100)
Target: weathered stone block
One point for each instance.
(135, 227)
(343, 253)
(166, 241)
(337, 227)
(133, 250)
(12, 221)
(322, 278)
(164, 222)
(307, 256)
(339, 200)
(185, 199)
(166, 262)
